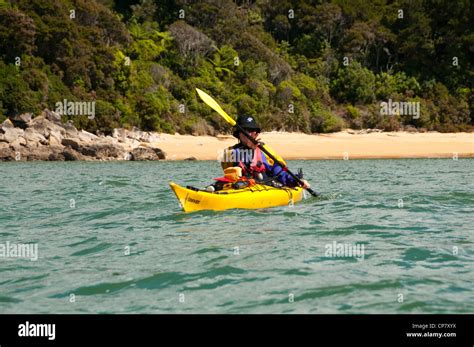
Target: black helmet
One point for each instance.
(246, 122)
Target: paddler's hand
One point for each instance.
(306, 184)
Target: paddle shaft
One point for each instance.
(254, 141)
(215, 106)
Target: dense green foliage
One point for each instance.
(311, 66)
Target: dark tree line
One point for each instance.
(311, 66)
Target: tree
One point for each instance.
(190, 41)
(17, 34)
(223, 60)
(354, 84)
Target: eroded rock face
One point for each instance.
(135, 135)
(143, 153)
(12, 134)
(161, 154)
(6, 153)
(40, 153)
(45, 127)
(73, 143)
(55, 138)
(21, 121)
(51, 116)
(7, 124)
(103, 151)
(45, 137)
(70, 155)
(34, 139)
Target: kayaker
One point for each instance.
(254, 162)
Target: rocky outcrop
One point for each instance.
(45, 137)
(161, 154)
(22, 120)
(12, 134)
(6, 153)
(103, 151)
(134, 136)
(143, 153)
(7, 124)
(147, 153)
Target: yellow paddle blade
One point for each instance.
(215, 106)
(276, 156)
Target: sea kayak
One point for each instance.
(254, 197)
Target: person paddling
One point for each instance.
(249, 160)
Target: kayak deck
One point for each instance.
(255, 197)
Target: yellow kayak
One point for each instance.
(255, 197)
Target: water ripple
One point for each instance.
(125, 247)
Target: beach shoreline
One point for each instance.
(47, 138)
(348, 144)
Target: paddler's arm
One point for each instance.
(284, 177)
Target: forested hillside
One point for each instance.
(310, 66)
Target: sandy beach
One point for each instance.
(347, 144)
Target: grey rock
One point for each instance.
(132, 143)
(143, 136)
(46, 138)
(69, 125)
(38, 153)
(18, 142)
(55, 156)
(56, 153)
(7, 123)
(119, 133)
(22, 118)
(143, 153)
(45, 126)
(73, 143)
(33, 138)
(85, 136)
(102, 151)
(153, 137)
(136, 134)
(6, 153)
(160, 153)
(12, 134)
(55, 138)
(71, 155)
(51, 116)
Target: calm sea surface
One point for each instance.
(111, 239)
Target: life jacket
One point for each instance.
(260, 161)
(257, 165)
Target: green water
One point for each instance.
(418, 251)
